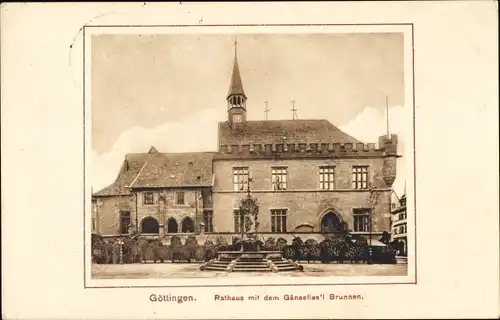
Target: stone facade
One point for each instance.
(305, 202)
(164, 208)
(399, 225)
(107, 213)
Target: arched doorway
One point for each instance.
(331, 222)
(172, 226)
(187, 225)
(150, 225)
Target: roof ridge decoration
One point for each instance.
(152, 149)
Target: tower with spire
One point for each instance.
(236, 98)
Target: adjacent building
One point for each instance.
(156, 194)
(399, 225)
(308, 176)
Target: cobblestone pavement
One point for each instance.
(191, 270)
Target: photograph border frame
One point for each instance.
(85, 201)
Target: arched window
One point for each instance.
(304, 228)
(331, 223)
(187, 225)
(172, 226)
(150, 225)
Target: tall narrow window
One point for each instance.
(278, 220)
(240, 178)
(362, 220)
(360, 177)
(208, 217)
(279, 178)
(93, 224)
(237, 220)
(148, 198)
(124, 221)
(326, 178)
(180, 197)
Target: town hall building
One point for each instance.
(309, 178)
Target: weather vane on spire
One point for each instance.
(266, 110)
(294, 110)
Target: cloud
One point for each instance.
(371, 123)
(195, 133)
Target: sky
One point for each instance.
(169, 90)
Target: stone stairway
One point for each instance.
(283, 264)
(218, 264)
(251, 265)
(242, 264)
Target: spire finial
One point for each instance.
(235, 47)
(387, 115)
(266, 110)
(294, 110)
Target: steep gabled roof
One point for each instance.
(162, 170)
(131, 166)
(165, 170)
(283, 131)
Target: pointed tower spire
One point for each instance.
(236, 87)
(236, 98)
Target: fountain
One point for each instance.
(250, 258)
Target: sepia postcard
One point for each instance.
(284, 178)
(220, 163)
